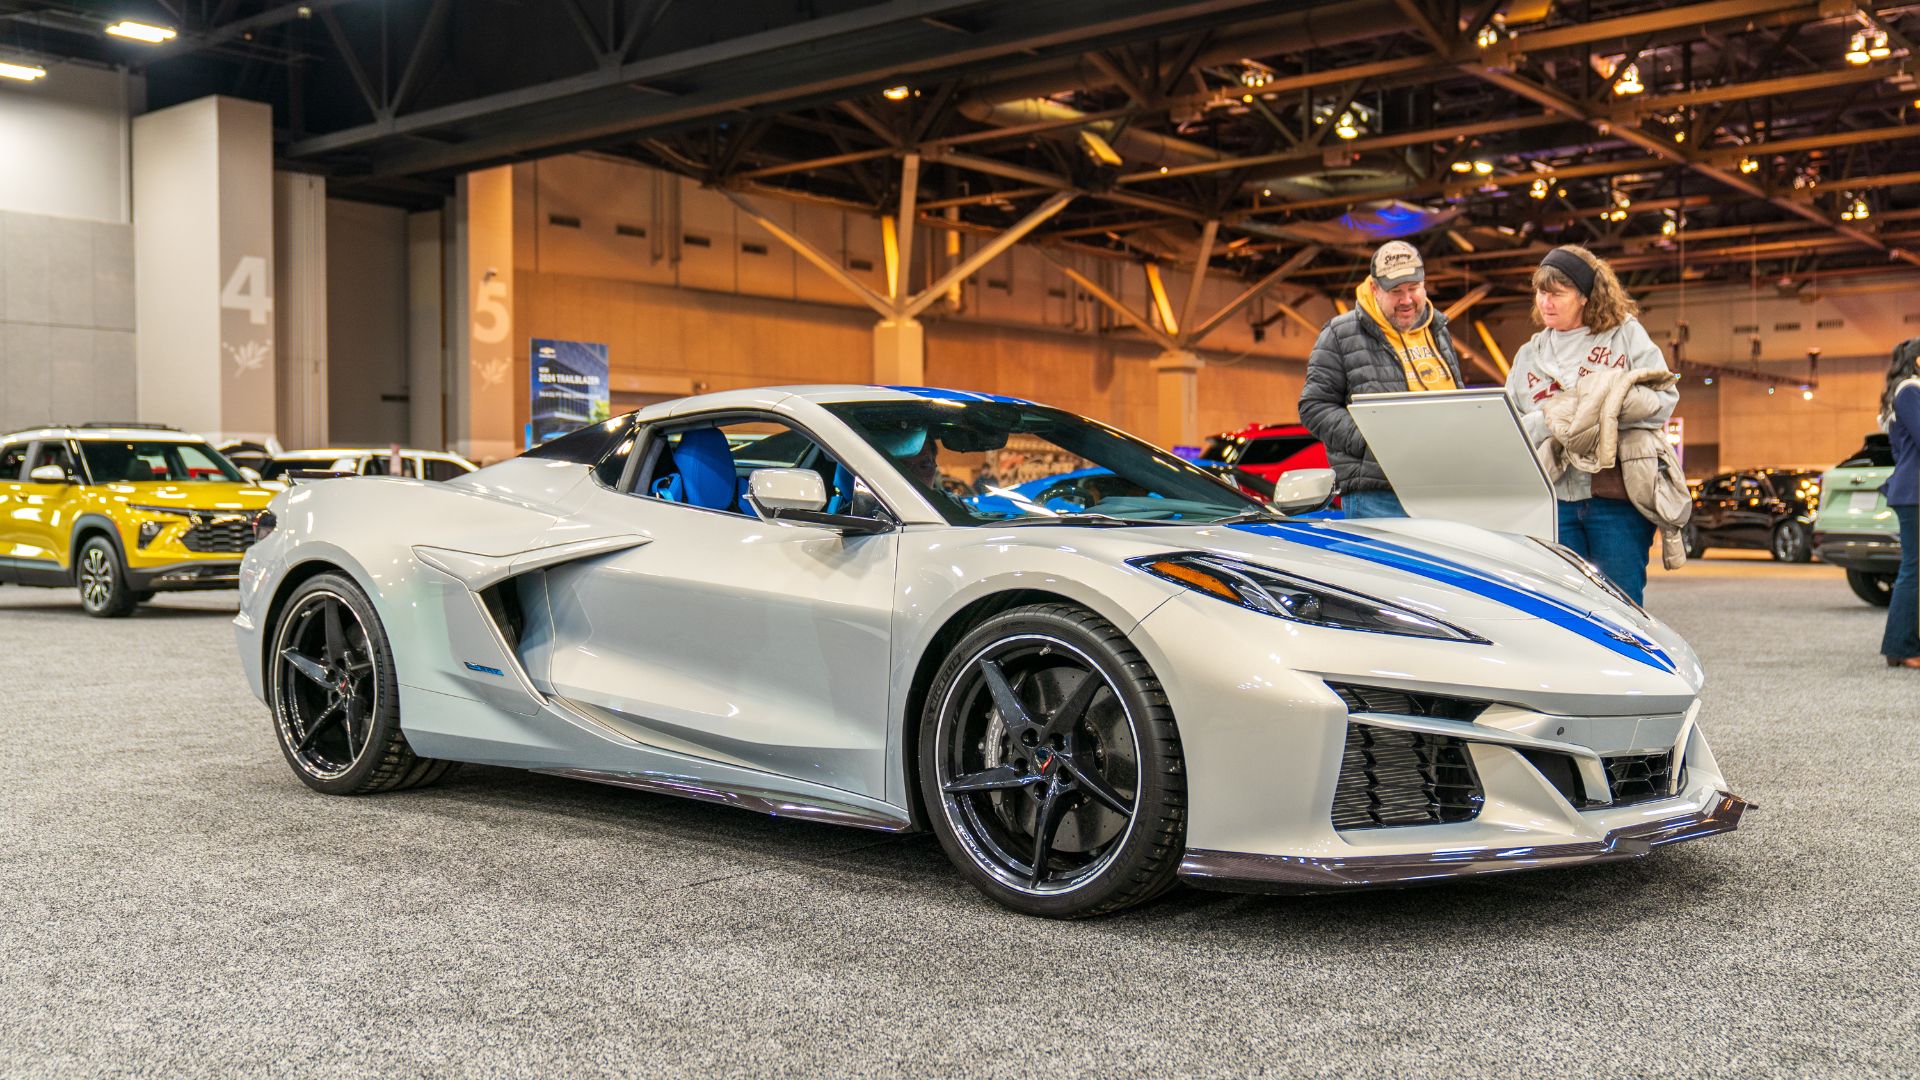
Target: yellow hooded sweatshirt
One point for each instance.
(1419, 353)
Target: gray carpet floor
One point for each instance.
(173, 902)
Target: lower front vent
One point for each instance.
(1639, 777)
(1390, 778)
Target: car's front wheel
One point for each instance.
(335, 695)
(1792, 542)
(102, 581)
(1875, 589)
(1690, 536)
(1051, 767)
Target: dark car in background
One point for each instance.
(1855, 529)
(1770, 509)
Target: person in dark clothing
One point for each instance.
(1900, 411)
(1392, 340)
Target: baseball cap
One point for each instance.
(1397, 263)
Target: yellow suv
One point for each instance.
(122, 511)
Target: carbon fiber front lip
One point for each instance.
(1238, 872)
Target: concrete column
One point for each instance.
(300, 310)
(426, 337)
(203, 267)
(1176, 376)
(899, 352)
(482, 390)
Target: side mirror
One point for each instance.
(49, 474)
(786, 489)
(252, 475)
(1303, 489)
(799, 497)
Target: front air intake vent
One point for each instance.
(1639, 777)
(1380, 699)
(1393, 778)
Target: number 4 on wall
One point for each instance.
(246, 290)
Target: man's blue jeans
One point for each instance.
(1610, 534)
(1902, 637)
(1371, 504)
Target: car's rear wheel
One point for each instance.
(1875, 589)
(102, 581)
(1690, 536)
(335, 695)
(1792, 542)
(1050, 765)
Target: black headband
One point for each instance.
(1574, 267)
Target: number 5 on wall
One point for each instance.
(491, 318)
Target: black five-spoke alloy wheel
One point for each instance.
(334, 696)
(1051, 766)
(101, 580)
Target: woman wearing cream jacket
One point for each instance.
(1587, 325)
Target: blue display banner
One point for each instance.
(570, 388)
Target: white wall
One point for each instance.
(63, 143)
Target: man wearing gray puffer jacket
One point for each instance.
(1392, 340)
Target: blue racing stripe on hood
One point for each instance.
(940, 394)
(1584, 623)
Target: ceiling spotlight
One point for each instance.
(1246, 99)
(1539, 190)
(22, 72)
(1484, 168)
(1857, 48)
(1680, 136)
(138, 31)
(1769, 391)
(897, 93)
(1254, 75)
(1668, 228)
(1344, 127)
(1561, 192)
(1708, 380)
(1877, 46)
(1806, 393)
(1629, 81)
(1488, 37)
(1748, 165)
(1268, 192)
(1462, 166)
(1860, 211)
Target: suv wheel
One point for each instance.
(102, 581)
(1690, 536)
(1875, 589)
(1792, 543)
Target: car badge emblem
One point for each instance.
(1043, 759)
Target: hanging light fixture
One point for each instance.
(1629, 82)
(1857, 48)
(1488, 37)
(1462, 166)
(1254, 74)
(1484, 168)
(1345, 127)
(144, 32)
(897, 93)
(1877, 49)
(1540, 189)
(22, 72)
(1748, 165)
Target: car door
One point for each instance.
(41, 514)
(1749, 519)
(726, 637)
(1710, 509)
(13, 469)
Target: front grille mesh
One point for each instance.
(229, 535)
(1639, 777)
(1383, 699)
(1390, 777)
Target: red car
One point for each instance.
(1256, 455)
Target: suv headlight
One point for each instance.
(1592, 572)
(150, 530)
(1296, 599)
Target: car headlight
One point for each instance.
(1592, 572)
(1296, 599)
(151, 530)
(263, 523)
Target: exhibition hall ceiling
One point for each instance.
(1748, 141)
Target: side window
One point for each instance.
(13, 462)
(707, 465)
(1720, 487)
(51, 453)
(439, 469)
(1750, 490)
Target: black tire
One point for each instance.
(335, 696)
(1690, 536)
(142, 596)
(1062, 823)
(102, 580)
(1875, 589)
(1792, 542)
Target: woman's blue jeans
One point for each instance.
(1610, 534)
(1902, 638)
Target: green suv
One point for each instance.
(1854, 529)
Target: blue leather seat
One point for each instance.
(704, 474)
(842, 498)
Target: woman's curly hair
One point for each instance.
(1607, 307)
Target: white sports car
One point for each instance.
(776, 599)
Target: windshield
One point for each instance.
(111, 461)
(986, 462)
